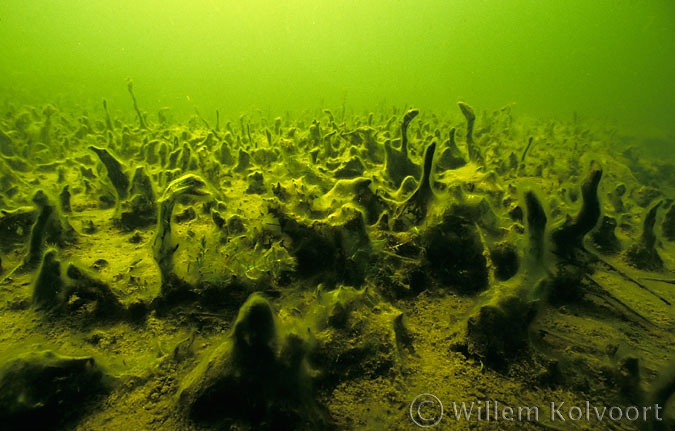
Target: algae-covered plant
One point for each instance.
(321, 271)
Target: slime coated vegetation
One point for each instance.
(320, 268)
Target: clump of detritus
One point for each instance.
(140, 209)
(49, 227)
(455, 254)
(335, 249)
(569, 236)
(269, 375)
(643, 254)
(397, 164)
(356, 320)
(414, 210)
(116, 174)
(668, 225)
(46, 390)
(497, 331)
(475, 154)
(164, 242)
(451, 157)
(604, 237)
(74, 290)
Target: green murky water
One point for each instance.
(611, 60)
(311, 215)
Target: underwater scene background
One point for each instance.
(303, 215)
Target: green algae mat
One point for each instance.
(391, 270)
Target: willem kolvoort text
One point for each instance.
(554, 412)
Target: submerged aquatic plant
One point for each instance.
(130, 88)
(259, 261)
